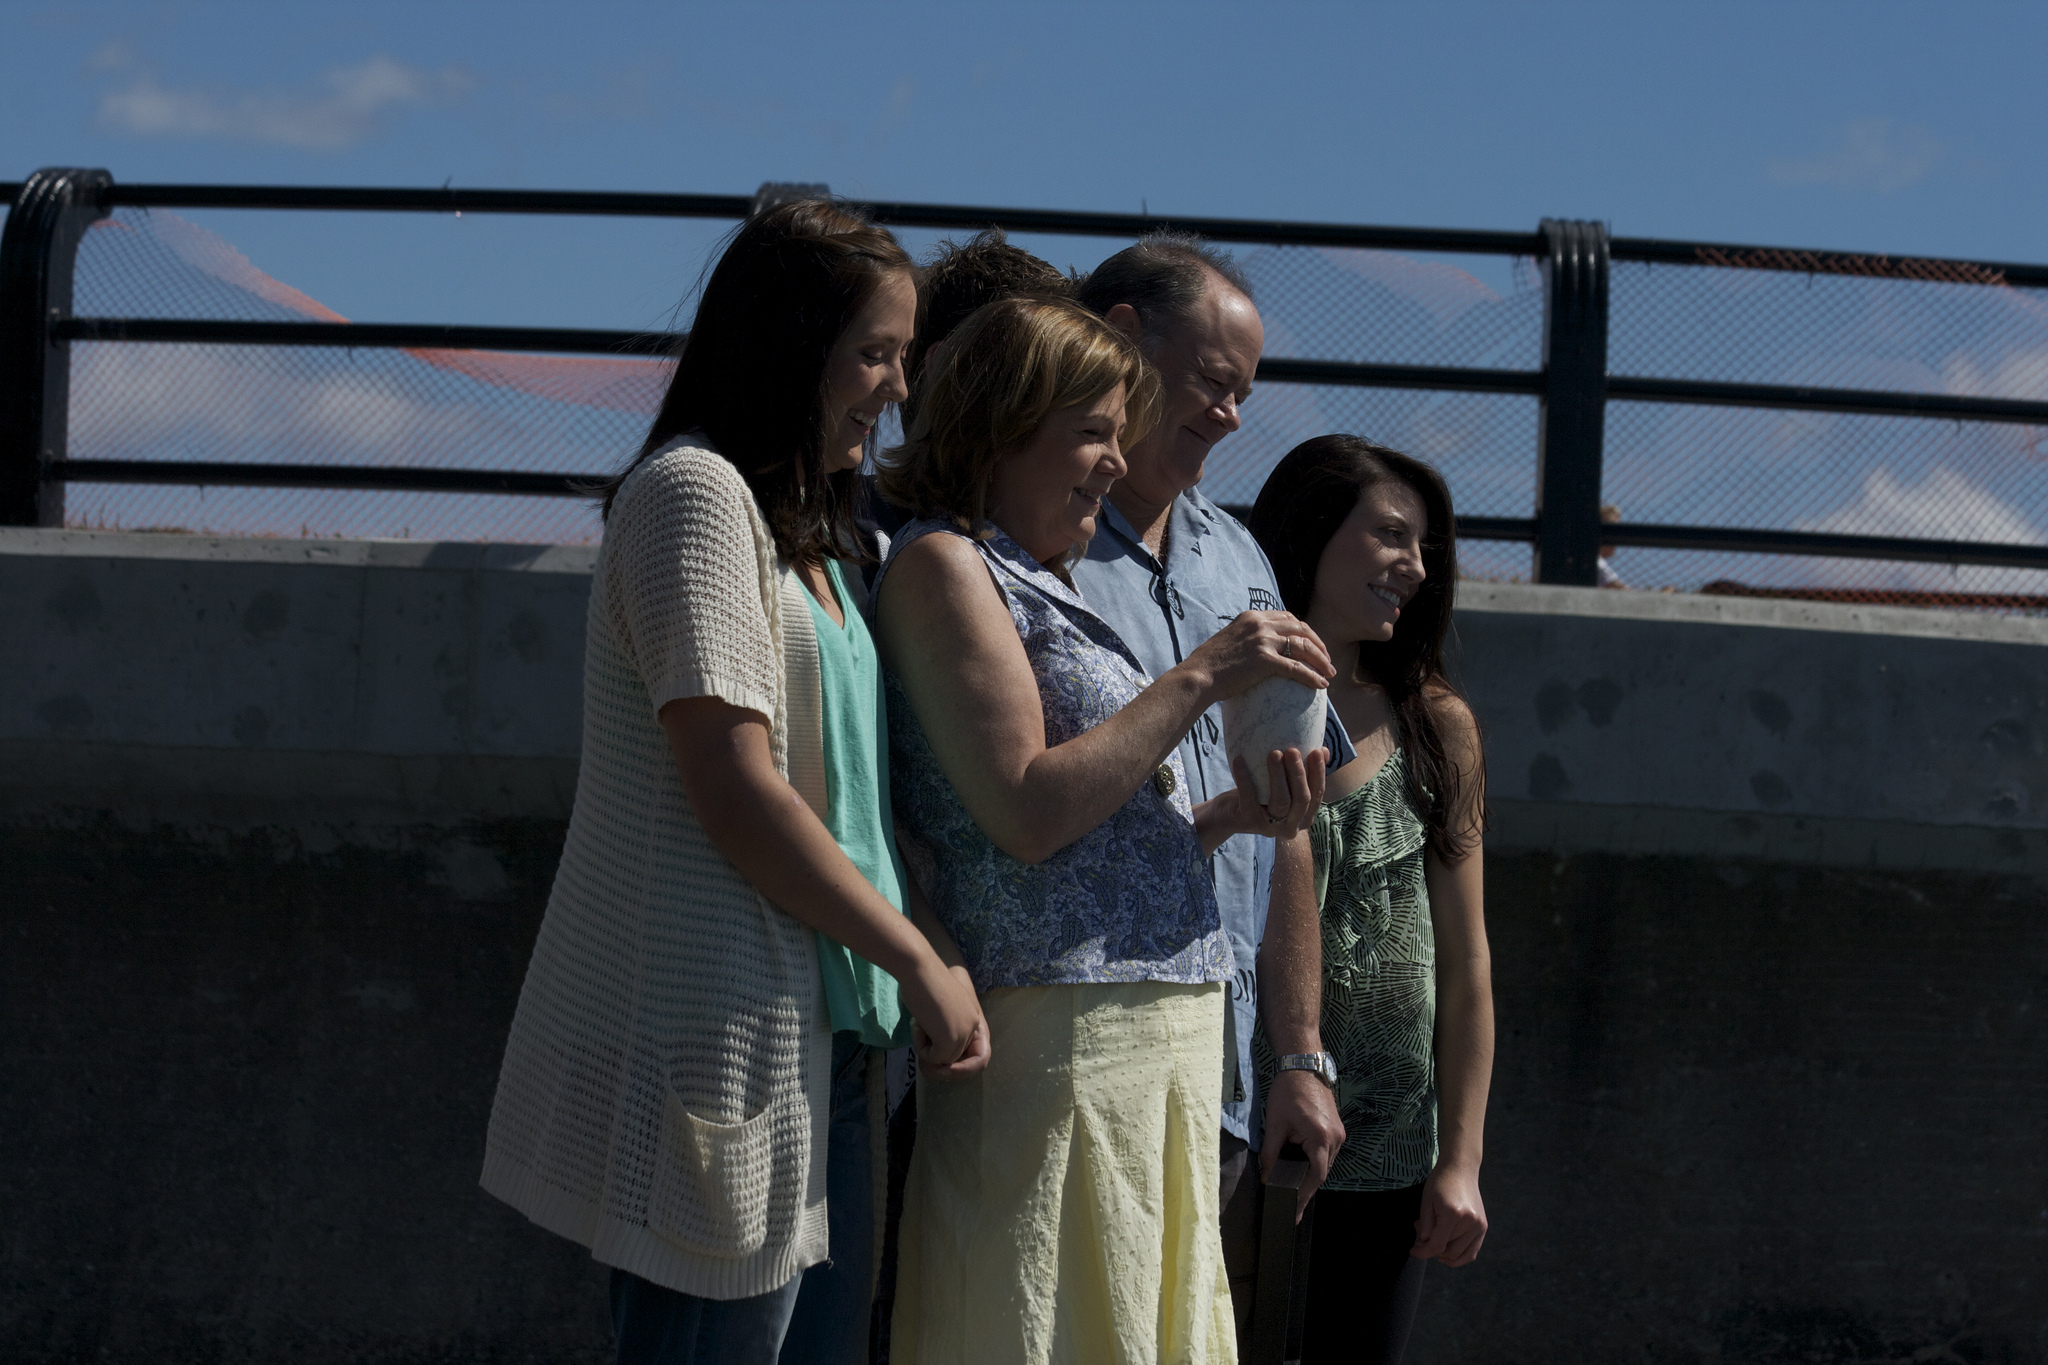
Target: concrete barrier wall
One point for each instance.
(277, 821)
(339, 692)
(353, 688)
(1790, 731)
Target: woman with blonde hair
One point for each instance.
(1061, 1204)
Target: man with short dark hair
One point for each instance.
(1168, 568)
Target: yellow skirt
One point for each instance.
(1062, 1205)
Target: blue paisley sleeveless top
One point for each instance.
(1130, 900)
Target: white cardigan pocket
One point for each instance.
(712, 1181)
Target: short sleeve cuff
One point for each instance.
(684, 684)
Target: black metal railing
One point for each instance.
(51, 210)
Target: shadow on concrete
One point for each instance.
(1742, 1112)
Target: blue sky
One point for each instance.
(1901, 127)
(1907, 128)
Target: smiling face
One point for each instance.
(1371, 568)
(1047, 493)
(1205, 367)
(864, 372)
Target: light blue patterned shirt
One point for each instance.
(1164, 610)
(1130, 900)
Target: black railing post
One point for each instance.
(37, 251)
(1572, 425)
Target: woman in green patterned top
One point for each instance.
(1362, 542)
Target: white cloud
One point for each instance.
(1944, 506)
(1445, 290)
(350, 107)
(321, 406)
(895, 113)
(2016, 374)
(1871, 154)
(292, 405)
(115, 55)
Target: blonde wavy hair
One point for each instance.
(990, 385)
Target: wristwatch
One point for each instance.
(1321, 1063)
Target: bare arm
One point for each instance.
(1300, 1107)
(766, 830)
(1453, 1222)
(945, 632)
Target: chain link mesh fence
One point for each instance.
(1384, 307)
(1830, 472)
(453, 409)
(1665, 463)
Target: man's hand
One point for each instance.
(1300, 1108)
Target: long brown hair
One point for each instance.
(751, 372)
(1306, 498)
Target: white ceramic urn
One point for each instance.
(1275, 714)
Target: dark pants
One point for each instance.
(830, 1325)
(821, 1315)
(658, 1326)
(1363, 1286)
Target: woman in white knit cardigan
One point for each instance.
(667, 1090)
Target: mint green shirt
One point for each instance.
(861, 996)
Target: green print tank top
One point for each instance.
(1379, 983)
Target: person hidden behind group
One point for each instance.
(959, 278)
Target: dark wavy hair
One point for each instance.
(751, 371)
(1306, 498)
(959, 278)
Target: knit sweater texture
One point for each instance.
(665, 1092)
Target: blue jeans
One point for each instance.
(658, 1326)
(830, 1326)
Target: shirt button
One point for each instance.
(1163, 781)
